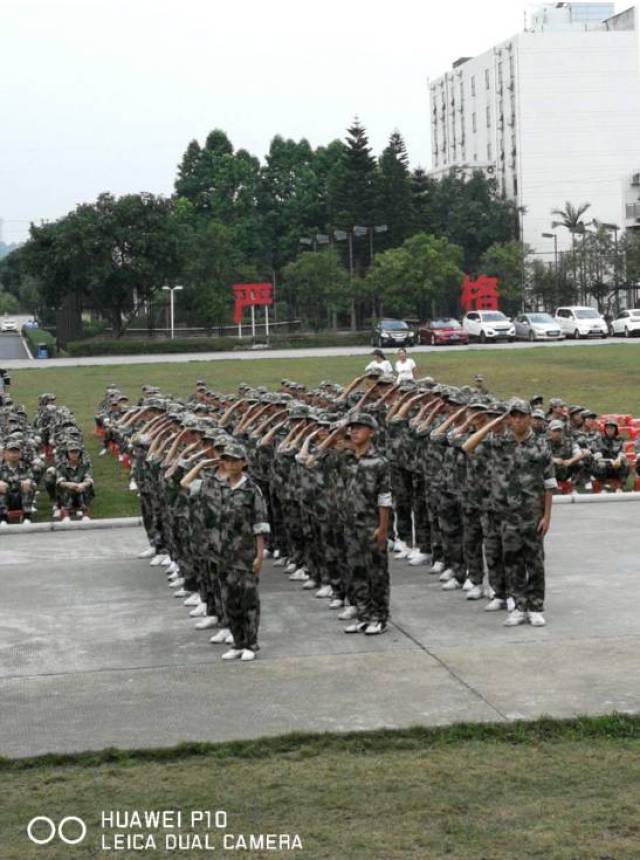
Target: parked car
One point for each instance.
(538, 326)
(389, 332)
(488, 326)
(8, 325)
(627, 323)
(576, 322)
(441, 331)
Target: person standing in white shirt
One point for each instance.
(405, 367)
(379, 362)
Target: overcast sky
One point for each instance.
(105, 95)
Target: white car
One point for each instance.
(627, 323)
(538, 326)
(8, 325)
(579, 322)
(488, 326)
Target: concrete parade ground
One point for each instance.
(95, 651)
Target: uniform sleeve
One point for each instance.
(549, 473)
(260, 517)
(385, 499)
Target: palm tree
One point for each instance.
(571, 218)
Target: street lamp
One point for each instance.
(554, 236)
(172, 290)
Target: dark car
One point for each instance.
(442, 331)
(388, 332)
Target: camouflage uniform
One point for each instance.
(71, 500)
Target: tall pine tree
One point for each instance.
(396, 198)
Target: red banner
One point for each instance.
(479, 295)
(246, 295)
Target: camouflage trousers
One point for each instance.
(50, 483)
(523, 554)
(239, 588)
(293, 528)
(72, 501)
(17, 499)
(335, 552)
(402, 490)
(603, 471)
(211, 592)
(451, 528)
(472, 543)
(492, 534)
(368, 583)
(435, 534)
(318, 551)
(421, 512)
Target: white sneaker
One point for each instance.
(299, 575)
(451, 585)
(403, 553)
(488, 592)
(475, 593)
(233, 654)
(446, 575)
(177, 582)
(229, 638)
(172, 569)
(156, 560)
(438, 567)
(247, 655)
(515, 618)
(336, 603)
(495, 605)
(193, 600)
(199, 611)
(419, 558)
(103, 452)
(182, 592)
(85, 518)
(324, 592)
(467, 585)
(79, 515)
(3, 524)
(149, 552)
(375, 628)
(167, 561)
(309, 584)
(357, 627)
(279, 562)
(133, 486)
(26, 521)
(220, 637)
(207, 622)
(536, 619)
(266, 553)
(348, 613)
(55, 513)
(588, 486)
(66, 519)
(276, 554)
(511, 604)
(290, 567)
(398, 545)
(413, 550)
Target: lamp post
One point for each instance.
(172, 290)
(554, 236)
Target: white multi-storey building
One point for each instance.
(553, 114)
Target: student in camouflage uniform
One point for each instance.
(17, 486)
(609, 460)
(523, 483)
(74, 482)
(565, 452)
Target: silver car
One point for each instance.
(538, 326)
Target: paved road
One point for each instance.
(12, 348)
(316, 352)
(95, 652)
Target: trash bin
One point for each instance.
(42, 351)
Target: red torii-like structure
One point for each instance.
(479, 295)
(252, 295)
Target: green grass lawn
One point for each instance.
(547, 790)
(606, 378)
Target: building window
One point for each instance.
(474, 124)
(489, 152)
(488, 116)
(473, 85)
(487, 79)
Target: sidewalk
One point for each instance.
(95, 651)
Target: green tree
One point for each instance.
(395, 191)
(317, 287)
(508, 262)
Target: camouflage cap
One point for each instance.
(427, 381)
(556, 424)
(610, 422)
(575, 410)
(72, 445)
(386, 379)
(497, 409)
(235, 451)
(538, 413)
(374, 371)
(555, 402)
(298, 411)
(589, 413)
(537, 398)
(364, 419)
(14, 442)
(479, 377)
(407, 386)
(519, 405)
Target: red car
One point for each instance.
(439, 332)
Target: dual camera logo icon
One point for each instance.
(42, 830)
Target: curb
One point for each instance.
(56, 526)
(596, 499)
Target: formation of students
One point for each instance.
(328, 481)
(48, 452)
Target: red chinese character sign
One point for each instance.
(251, 296)
(479, 295)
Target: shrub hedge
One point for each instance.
(36, 336)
